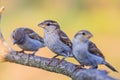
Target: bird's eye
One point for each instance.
(83, 33)
(13, 37)
(48, 24)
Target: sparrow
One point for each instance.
(86, 52)
(27, 39)
(56, 40)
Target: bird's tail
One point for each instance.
(110, 66)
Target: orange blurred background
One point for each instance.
(101, 17)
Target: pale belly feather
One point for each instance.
(83, 56)
(53, 42)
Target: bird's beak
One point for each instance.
(42, 25)
(89, 36)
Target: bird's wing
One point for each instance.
(33, 35)
(92, 48)
(64, 38)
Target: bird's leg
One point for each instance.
(94, 67)
(78, 67)
(65, 56)
(33, 53)
(22, 51)
(52, 59)
(62, 59)
(82, 65)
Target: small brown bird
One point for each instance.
(27, 39)
(86, 52)
(55, 39)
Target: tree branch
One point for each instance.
(65, 68)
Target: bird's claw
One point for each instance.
(60, 61)
(78, 67)
(20, 51)
(94, 67)
(50, 61)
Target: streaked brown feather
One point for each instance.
(92, 48)
(64, 38)
(33, 35)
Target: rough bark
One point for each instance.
(65, 68)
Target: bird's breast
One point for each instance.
(50, 38)
(80, 47)
(53, 42)
(80, 52)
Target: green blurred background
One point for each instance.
(101, 17)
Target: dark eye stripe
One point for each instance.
(83, 33)
(48, 24)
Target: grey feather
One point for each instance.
(27, 39)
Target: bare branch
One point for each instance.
(65, 68)
(2, 9)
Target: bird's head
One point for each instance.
(49, 25)
(18, 36)
(83, 35)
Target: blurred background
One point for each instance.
(101, 17)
